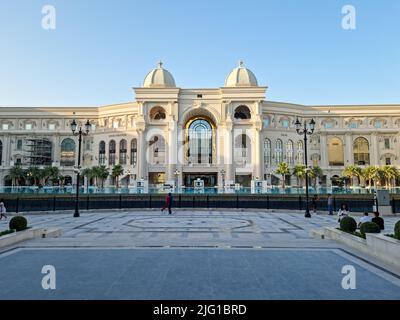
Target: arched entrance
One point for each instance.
(200, 150)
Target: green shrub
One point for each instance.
(397, 230)
(348, 224)
(369, 227)
(3, 233)
(18, 223)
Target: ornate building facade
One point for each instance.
(225, 135)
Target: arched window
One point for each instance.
(300, 152)
(361, 151)
(102, 153)
(122, 152)
(1, 153)
(111, 153)
(278, 151)
(200, 142)
(157, 113)
(242, 113)
(157, 150)
(289, 153)
(242, 149)
(67, 153)
(267, 153)
(134, 152)
(335, 152)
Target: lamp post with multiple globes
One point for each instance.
(79, 134)
(305, 131)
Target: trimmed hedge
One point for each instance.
(397, 230)
(18, 223)
(348, 224)
(369, 227)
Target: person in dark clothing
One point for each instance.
(330, 204)
(379, 221)
(168, 203)
(314, 203)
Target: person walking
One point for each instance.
(168, 203)
(330, 204)
(2, 210)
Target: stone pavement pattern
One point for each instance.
(190, 255)
(184, 228)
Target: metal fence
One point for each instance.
(123, 201)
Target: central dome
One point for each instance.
(241, 77)
(159, 78)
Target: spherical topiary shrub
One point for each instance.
(397, 230)
(369, 227)
(348, 224)
(18, 223)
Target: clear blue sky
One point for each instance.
(100, 49)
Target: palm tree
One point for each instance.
(101, 172)
(352, 171)
(283, 170)
(370, 173)
(299, 171)
(389, 173)
(33, 174)
(16, 174)
(315, 173)
(50, 173)
(89, 173)
(117, 171)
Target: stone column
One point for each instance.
(7, 151)
(348, 154)
(142, 155)
(172, 150)
(324, 151)
(373, 151)
(228, 154)
(256, 159)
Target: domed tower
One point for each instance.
(241, 77)
(159, 78)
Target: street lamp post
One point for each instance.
(306, 131)
(79, 134)
(177, 173)
(223, 179)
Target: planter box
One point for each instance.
(384, 248)
(346, 238)
(16, 237)
(377, 245)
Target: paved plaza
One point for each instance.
(191, 255)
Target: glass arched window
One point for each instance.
(200, 148)
(336, 152)
(267, 153)
(242, 149)
(157, 113)
(157, 150)
(102, 153)
(133, 152)
(361, 151)
(67, 153)
(289, 153)
(242, 113)
(111, 153)
(300, 152)
(122, 152)
(278, 151)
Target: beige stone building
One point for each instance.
(226, 135)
